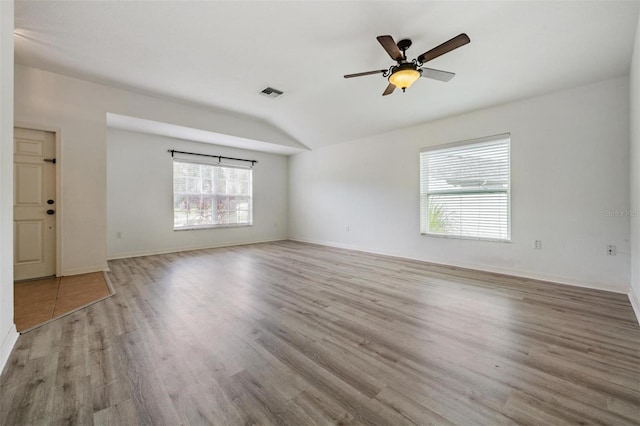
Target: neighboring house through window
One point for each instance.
(211, 195)
(465, 189)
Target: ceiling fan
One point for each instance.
(405, 73)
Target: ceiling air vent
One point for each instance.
(270, 92)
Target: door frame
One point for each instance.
(57, 131)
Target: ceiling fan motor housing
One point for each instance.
(404, 44)
(405, 66)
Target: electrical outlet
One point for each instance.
(611, 250)
(537, 244)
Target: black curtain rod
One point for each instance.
(219, 157)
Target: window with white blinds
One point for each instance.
(465, 189)
(208, 195)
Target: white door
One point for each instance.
(34, 204)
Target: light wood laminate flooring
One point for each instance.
(298, 334)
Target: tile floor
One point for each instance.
(36, 302)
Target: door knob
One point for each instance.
(51, 211)
(50, 201)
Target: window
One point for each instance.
(208, 196)
(464, 189)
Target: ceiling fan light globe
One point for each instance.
(404, 78)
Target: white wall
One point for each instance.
(78, 110)
(569, 165)
(140, 197)
(8, 334)
(634, 77)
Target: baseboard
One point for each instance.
(634, 298)
(112, 291)
(481, 268)
(8, 343)
(142, 253)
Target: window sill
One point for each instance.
(196, 228)
(457, 237)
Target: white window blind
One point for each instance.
(465, 189)
(208, 195)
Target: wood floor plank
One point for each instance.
(409, 408)
(321, 409)
(287, 333)
(72, 403)
(361, 407)
(28, 403)
(123, 413)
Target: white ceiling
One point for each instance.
(135, 124)
(222, 53)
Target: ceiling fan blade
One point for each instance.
(437, 74)
(360, 74)
(391, 47)
(447, 46)
(389, 90)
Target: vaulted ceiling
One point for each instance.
(222, 53)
